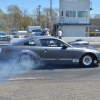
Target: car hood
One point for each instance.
(79, 42)
(87, 48)
(92, 48)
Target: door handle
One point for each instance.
(45, 50)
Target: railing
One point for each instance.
(63, 19)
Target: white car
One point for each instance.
(3, 36)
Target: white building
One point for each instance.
(74, 16)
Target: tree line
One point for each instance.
(19, 19)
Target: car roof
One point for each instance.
(35, 37)
(42, 37)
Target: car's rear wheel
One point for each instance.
(26, 60)
(87, 60)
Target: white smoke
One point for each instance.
(9, 69)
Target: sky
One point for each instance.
(30, 5)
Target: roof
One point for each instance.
(34, 37)
(76, 24)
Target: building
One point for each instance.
(74, 17)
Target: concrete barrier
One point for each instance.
(69, 39)
(15, 39)
(89, 39)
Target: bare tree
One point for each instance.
(15, 11)
(27, 19)
(17, 18)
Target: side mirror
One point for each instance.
(64, 46)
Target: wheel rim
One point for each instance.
(25, 60)
(87, 60)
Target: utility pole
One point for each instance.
(39, 13)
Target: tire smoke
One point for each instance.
(9, 69)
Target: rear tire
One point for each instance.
(26, 60)
(87, 60)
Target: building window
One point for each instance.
(70, 13)
(83, 14)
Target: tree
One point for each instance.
(2, 21)
(15, 12)
(27, 19)
(47, 15)
(19, 19)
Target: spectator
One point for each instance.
(47, 33)
(43, 33)
(8, 38)
(60, 34)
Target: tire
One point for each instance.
(26, 60)
(87, 60)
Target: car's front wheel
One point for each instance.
(87, 60)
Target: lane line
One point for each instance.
(25, 78)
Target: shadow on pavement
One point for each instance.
(53, 67)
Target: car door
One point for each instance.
(53, 52)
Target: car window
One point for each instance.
(37, 30)
(30, 43)
(33, 30)
(44, 42)
(51, 43)
(60, 43)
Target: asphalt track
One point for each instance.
(53, 83)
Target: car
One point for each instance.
(14, 33)
(48, 50)
(36, 32)
(3, 36)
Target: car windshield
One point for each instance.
(37, 30)
(13, 33)
(33, 30)
(2, 33)
(20, 41)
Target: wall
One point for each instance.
(74, 5)
(73, 31)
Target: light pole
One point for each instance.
(39, 13)
(51, 14)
